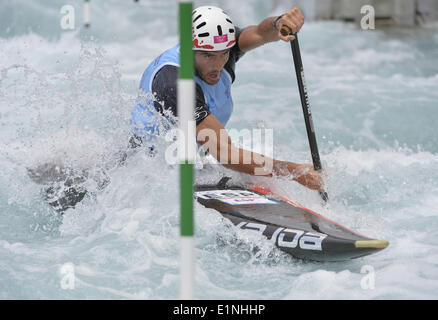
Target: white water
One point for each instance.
(66, 98)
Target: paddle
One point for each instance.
(285, 30)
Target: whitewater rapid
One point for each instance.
(66, 98)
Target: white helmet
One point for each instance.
(212, 29)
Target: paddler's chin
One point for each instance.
(212, 78)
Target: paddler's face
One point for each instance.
(209, 64)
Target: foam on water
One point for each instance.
(65, 99)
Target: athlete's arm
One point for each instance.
(258, 35)
(214, 138)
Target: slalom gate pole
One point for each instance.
(87, 19)
(186, 149)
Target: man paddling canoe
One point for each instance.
(218, 45)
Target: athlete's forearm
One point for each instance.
(257, 35)
(254, 163)
(267, 30)
(245, 161)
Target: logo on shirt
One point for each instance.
(200, 113)
(228, 93)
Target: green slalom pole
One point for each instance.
(186, 149)
(87, 19)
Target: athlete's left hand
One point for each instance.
(293, 19)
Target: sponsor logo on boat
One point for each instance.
(235, 197)
(289, 238)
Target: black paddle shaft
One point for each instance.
(299, 71)
(305, 103)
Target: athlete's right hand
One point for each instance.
(306, 175)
